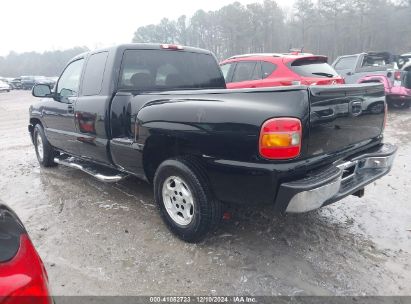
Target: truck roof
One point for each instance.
(143, 46)
(387, 54)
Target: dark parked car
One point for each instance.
(163, 113)
(28, 82)
(16, 84)
(23, 278)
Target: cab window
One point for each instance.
(69, 81)
(94, 73)
(346, 63)
(159, 70)
(267, 68)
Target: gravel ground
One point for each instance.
(108, 239)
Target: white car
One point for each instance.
(406, 62)
(4, 87)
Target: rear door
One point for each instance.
(345, 67)
(91, 117)
(247, 74)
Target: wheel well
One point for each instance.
(33, 123)
(160, 148)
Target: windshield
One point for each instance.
(148, 70)
(313, 67)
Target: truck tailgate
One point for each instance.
(341, 116)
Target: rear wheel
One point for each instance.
(185, 201)
(44, 151)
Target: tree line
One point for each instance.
(327, 27)
(49, 63)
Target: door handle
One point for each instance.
(70, 108)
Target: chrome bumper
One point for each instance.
(336, 182)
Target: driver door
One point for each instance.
(59, 115)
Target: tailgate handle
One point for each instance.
(356, 108)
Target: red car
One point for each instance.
(23, 278)
(271, 70)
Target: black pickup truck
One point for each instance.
(163, 113)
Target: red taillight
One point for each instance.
(24, 279)
(280, 138)
(397, 75)
(171, 47)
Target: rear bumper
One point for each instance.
(331, 184)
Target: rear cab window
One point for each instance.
(377, 60)
(313, 67)
(163, 70)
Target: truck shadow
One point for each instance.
(249, 225)
(255, 251)
(261, 226)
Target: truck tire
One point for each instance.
(400, 104)
(185, 200)
(44, 151)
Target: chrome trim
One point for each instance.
(178, 200)
(70, 162)
(313, 199)
(375, 162)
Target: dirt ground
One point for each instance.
(108, 239)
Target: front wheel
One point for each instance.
(185, 200)
(44, 151)
(400, 104)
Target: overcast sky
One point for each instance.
(40, 25)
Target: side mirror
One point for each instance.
(41, 90)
